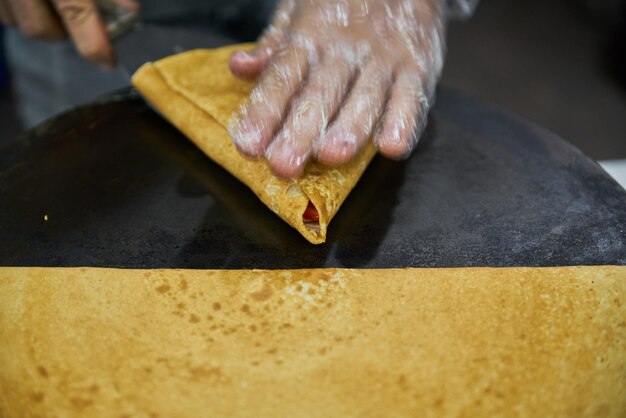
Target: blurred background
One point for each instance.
(559, 63)
(9, 123)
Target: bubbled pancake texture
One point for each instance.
(526, 342)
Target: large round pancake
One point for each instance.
(316, 343)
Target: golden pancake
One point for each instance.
(475, 342)
(197, 93)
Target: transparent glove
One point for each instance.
(334, 73)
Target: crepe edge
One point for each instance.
(153, 87)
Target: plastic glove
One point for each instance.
(335, 73)
(55, 19)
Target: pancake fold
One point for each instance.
(197, 93)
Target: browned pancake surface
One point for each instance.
(313, 343)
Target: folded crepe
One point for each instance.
(472, 342)
(197, 93)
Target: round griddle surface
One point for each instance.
(120, 187)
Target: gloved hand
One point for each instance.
(334, 73)
(78, 18)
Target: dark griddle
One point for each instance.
(122, 188)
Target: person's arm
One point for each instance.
(334, 73)
(55, 19)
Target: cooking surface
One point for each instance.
(112, 184)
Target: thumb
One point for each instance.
(86, 29)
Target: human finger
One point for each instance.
(6, 15)
(357, 118)
(404, 117)
(36, 19)
(248, 64)
(310, 115)
(87, 31)
(254, 125)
